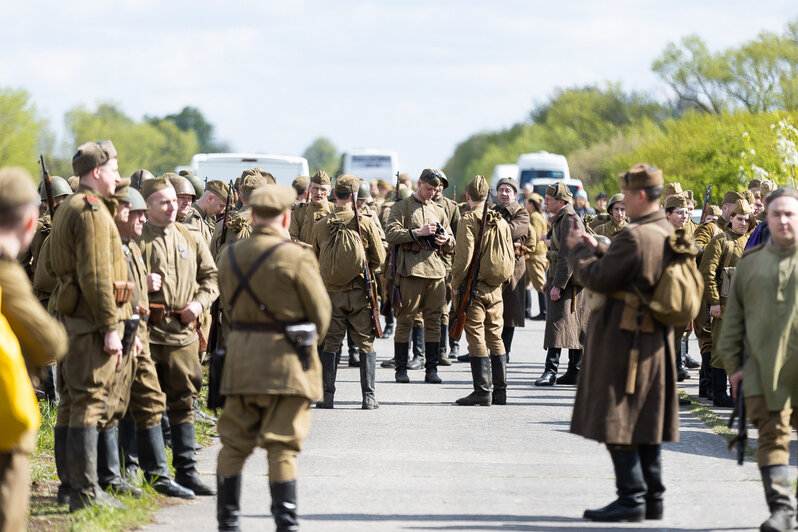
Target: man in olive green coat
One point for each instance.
(202, 216)
(239, 224)
(453, 213)
(267, 282)
(617, 211)
(758, 346)
(306, 214)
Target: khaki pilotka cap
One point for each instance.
(676, 202)
(253, 181)
(689, 195)
(742, 207)
(642, 175)
(766, 187)
(714, 210)
(477, 188)
(508, 181)
(90, 155)
(258, 171)
(559, 191)
(344, 182)
(672, 188)
(151, 186)
(320, 178)
(16, 188)
(731, 197)
(269, 201)
(431, 177)
(219, 189)
(300, 184)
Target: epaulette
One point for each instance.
(92, 202)
(753, 250)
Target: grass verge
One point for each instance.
(715, 423)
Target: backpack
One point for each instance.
(497, 261)
(677, 295)
(342, 256)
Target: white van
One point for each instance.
(504, 170)
(371, 163)
(541, 169)
(227, 166)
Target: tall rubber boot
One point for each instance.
(571, 375)
(128, 449)
(443, 360)
(368, 369)
(480, 374)
(183, 459)
(704, 376)
(507, 339)
(154, 465)
(777, 493)
(550, 369)
(651, 464)
(431, 366)
(630, 484)
(498, 366)
(284, 505)
(109, 475)
(82, 470)
(60, 449)
(354, 352)
(329, 369)
(400, 350)
(542, 305)
(417, 338)
(228, 502)
(719, 396)
(528, 304)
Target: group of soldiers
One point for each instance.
(137, 275)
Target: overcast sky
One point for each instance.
(414, 76)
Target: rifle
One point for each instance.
(48, 186)
(129, 336)
(469, 287)
(216, 314)
(705, 207)
(371, 289)
(741, 440)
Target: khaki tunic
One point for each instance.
(514, 293)
(537, 263)
(610, 229)
(197, 221)
(239, 226)
(566, 318)
(304, 217)
(602, 409)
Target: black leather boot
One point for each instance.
(388, 363)
(571, 375)
(152, 458)
(400, 350)
(651, 464)
(389, 325)
(480, 373)
(542, 305)
(681, 371)
(228, 503)
(719, 396)
(109, 475)
(329, 369)
(284, 505)
(128, 449)
(630, 504)
(777, 493)
(528, 304)
(49, 384)
(454, 348)
(417, 339)
(507, 339)
(443, 360)
(354, 352)
(431, 366)
(704, 376)
(498, 366)
(82, 470)
(184, 460)
(550, 369)
(166, 428)
(60, 449)
(368, 369)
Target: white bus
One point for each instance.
(227, 166)
(371, 163)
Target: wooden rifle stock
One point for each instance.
(371, 289)
(48, 187)
(705, 207)
(466, 292)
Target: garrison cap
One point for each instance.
(559, 191)
(477, 188)
(714, 210)
(268, 201)
(320, 178)
(689, 195)
(673, 188)
(732, 197)
(300, 184)
(181, 184)
(742, 206)
(748, 195)
(16, 188)
(258, 171)
(677, 201)
(90, 155)
(364, 192)
(219, 188)
(508, 181)
(151, 186)
(60, 187)
(74, 182)
(754, 183)
(344, 182)
(766, 187)
(134, 198)
(252, 181)
(122, 188)
(616, 198)
(537, 199)
(138, 177)
(642, 175)
(431, 177)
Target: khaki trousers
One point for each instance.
(420, 296)
(485, 321)
(350, 308)
(14, 491)
(180, 375)
(775, 431)
(89, 376)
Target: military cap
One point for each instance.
(181, 184)
(151, 186)
(477, 188)
(383, 185)
(673, 188)
(60, 187)
(602, 195)
(642, 175)
(748, 195)
(364, 192)
(404, 192)
(754, 183)
(219, 188)
(90, 155)
(431, 177)
(689, 195)
(345, 183)
(268, 201)
(742, 206)
(616, 198)
(537, 199)
(300, 184)
(196, 182)
(253, 181)
(559, 191)
(677, 201)
(74, 182)
(16, 188)
(714, 210)
(134, 198)
(508, 181)
(122, 188)
(139, 176)
(732, 197)
(320, 178)
(766, 187)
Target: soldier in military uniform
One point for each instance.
(300, 185)
(350, 306)
(202, 215)
(566, 312)
(185, 194)
(484, 315)
(87, 259)
(267, 282)
(537, 263)
(671, 189)
(306, 214)
(631, 425)
(617, 211)
(41, 340)
(757, 346)
(453, 214)
(239, 225)
(182, 284)
(413, 225)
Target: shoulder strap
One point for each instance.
(243, 280)
(728, 250)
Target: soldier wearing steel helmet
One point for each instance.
(617, 211)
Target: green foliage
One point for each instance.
(192, 119)
(21, 130)
(322, 155)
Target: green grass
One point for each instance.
(715, 423)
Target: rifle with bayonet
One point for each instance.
(371, 288)
(48, 187)
(467, 291)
